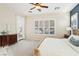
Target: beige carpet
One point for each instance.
(21, 48)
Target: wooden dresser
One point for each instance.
(0, 41)
(8, 39)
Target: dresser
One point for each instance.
(0, 41)
(8, 39)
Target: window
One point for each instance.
(44, 27)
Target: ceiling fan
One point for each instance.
(38, 6)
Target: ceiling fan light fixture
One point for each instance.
(38, 7)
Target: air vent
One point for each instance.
(57, 8)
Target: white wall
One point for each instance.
(62, 21)
(9, 21)
(9, 18)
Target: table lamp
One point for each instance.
(69, 29)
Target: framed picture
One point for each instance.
(74, 21)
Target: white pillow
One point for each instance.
(74, 39)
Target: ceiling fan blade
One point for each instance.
(44, 6)
(39, 10)
(33, 3)
(30, 11)
(32, 8)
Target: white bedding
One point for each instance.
(76, 48)
(56, 47)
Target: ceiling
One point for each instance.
(23, 8)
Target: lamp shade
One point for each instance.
(68, 28)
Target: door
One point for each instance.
(20, 28)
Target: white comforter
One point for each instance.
(57, 47)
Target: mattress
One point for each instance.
(56, 47)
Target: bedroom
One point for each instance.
(32, 26)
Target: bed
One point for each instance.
(56, 47)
